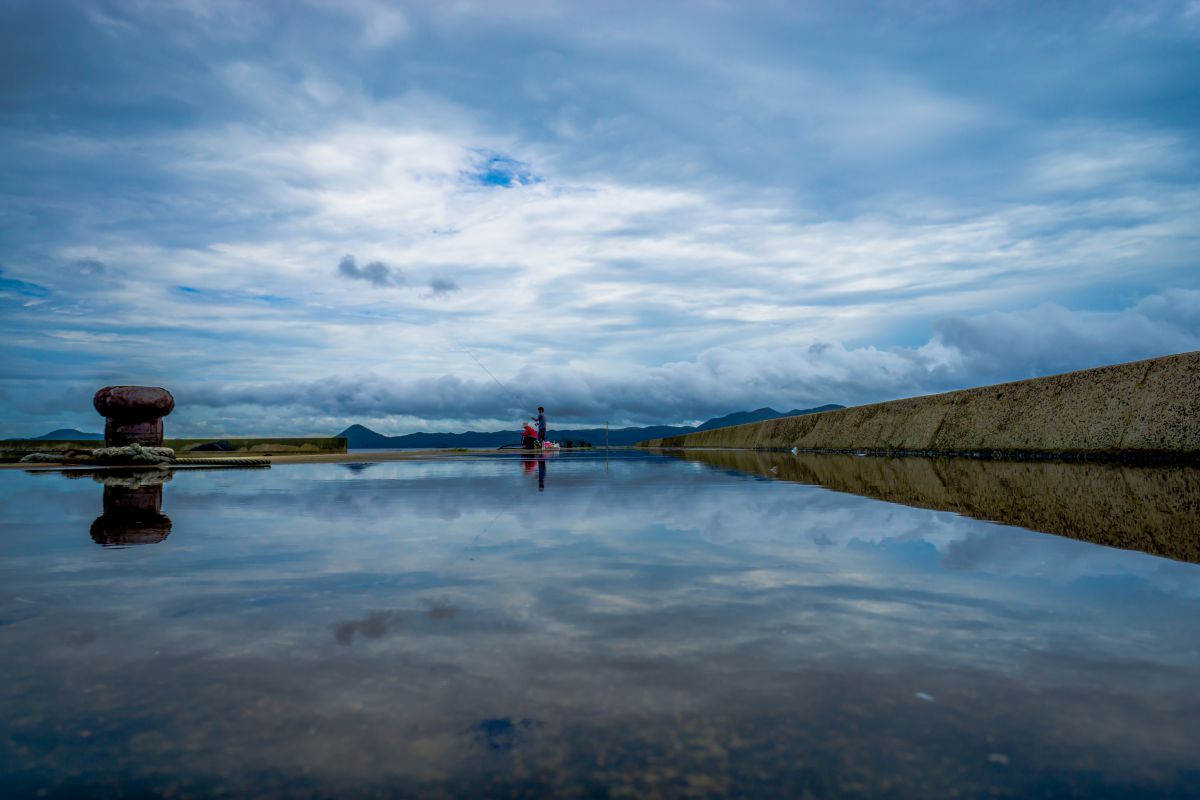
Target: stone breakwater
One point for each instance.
(1143, 410)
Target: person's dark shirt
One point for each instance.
(541, 421)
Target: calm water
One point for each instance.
(646, 627)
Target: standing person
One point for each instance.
(541, 423)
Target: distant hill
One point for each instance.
(758, 415)
(69, 435)
(359, 437)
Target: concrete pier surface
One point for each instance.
(11, 450)
(1140, 411)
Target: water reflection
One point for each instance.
(1154, 509)
(440, 610)
(529, 463)
(502, 734)
(376, 625)
(664, 628)
(132, 509)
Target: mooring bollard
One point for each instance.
(133, 414)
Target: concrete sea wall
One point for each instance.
(1140, 410)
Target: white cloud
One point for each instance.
(1081, 158)
(964, 351)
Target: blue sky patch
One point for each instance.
(499, 170)
(21, 288)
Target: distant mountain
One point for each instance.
(69, 435)
(359, 437)
(758, 415)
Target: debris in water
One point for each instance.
(998, 758)
(928, 698)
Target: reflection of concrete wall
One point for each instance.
(1146, 408)
(1152, 509)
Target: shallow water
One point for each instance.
(645, 626)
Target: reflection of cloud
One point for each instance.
(638, 491)
(440, 609)
(501, 734)
(376, 625)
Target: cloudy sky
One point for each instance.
(440, 215)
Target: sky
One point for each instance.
(439, 215)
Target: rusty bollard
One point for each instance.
(133, 414)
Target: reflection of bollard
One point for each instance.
(132, 511)
(134, 414)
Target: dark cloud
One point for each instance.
(376, 273)
(442, 286)
(91, 267)
(89, 275)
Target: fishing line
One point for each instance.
(512, 497)
(519, 398)
(507, 391)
